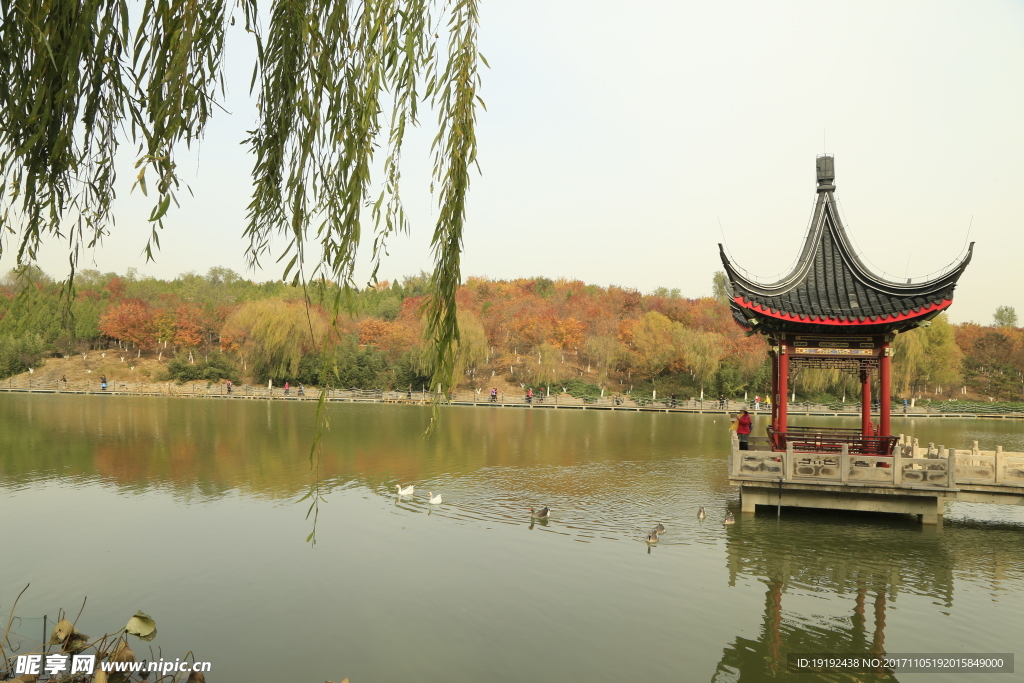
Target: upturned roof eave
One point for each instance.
(827, 218)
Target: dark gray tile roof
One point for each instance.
(831, 283)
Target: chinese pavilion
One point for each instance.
(831, 311)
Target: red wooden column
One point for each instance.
(775, 388)
(782, 389)
(884, 380)
(865, 401)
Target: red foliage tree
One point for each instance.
(189, 330)
(129, 322)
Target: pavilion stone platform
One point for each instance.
(914, 479)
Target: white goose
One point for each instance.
(434, 500)
(407, 491)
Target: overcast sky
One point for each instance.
(624, 140)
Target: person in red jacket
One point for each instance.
(743, 429)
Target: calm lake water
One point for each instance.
(187, 510)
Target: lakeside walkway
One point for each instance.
(459, 398)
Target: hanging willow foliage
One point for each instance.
(334, 80)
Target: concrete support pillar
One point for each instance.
(934, 515)
(751, 497)
(885, 392)
(865, 402)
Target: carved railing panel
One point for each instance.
(865, 469)
(924, 471)
(758, 464)
(825, 469)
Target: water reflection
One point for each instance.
(708, 601)
(203, 448)
(853, 573)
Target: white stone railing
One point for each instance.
(910, 466)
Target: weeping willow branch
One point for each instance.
(455, 94)
(77, 78)
(335, 81)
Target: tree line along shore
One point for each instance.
(538, 333)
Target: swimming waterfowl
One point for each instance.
(543, 513)
(659, 528)
(701, 514)
(729, 519)
(407, 491)
(434, 500)
(652, 537)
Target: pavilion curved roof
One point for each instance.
(831, 288)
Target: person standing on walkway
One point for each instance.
(103, 382)
(757, 402)
(904, 406)
(743, 426)
(287, 386)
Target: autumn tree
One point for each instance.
(993, 359)
(188, 329)
(163, 325)
(393, 338)
(567, 334)
(130, 322)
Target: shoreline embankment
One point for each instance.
(459, 398)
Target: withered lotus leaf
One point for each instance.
(142, 625)
(123, 653)
(61, 632)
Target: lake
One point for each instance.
(188, 510)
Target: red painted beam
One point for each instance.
(824, 320)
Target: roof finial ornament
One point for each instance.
(826, 173)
